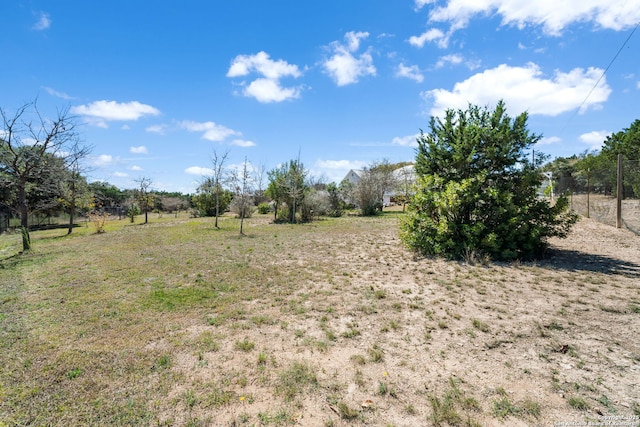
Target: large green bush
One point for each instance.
(477, 190)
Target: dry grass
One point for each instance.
(329, 323)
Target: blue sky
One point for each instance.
(158, 86)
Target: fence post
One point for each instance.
(619, 194)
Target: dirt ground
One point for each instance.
(391, 340)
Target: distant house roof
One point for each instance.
(406, 172)
(353, 176)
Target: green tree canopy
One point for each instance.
(477, 189)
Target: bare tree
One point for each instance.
(219, 175)
(242, 182)
(75, 180)
(145, 198)
(260, 175)
(28, 142)
(374, 182)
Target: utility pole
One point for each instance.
(619, 191)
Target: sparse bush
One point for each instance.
(98, 219)
(236, 206)
(264, 208)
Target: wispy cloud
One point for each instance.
(432, 35)
(159, 129)
(344, 66)
(103, 160)
(410, 72)
(198, 171)
(43, 22)
(57, 94)
(139, 150)
(406, 141)
(210, 130)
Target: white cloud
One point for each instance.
(453, 59)
(552, 16)
(43, 22)
(549, 140)
(57, 94)
(406, 141)
(432, 35)
(344, 67)
(345, 165)
(138, 150)
(336, 170)
(594, 139)
(411, 72)
(638, 85)
(200, 171)
(120, 174)
(524, 89)
(103, 160)
(267, 88)
(210, 130)
(136, 168)
(159, 129)
(243, 65)
(100, 112)
(421, 3)
(242, 143)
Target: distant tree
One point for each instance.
(336, 204)
(260, 179)
(275, 190)
(627, 143)
(217, 180)
(107, 195)
(477, 190)
(210, 200)
(405, 181)
(287, 184)
(243, 185)
(375, 181)
(75, 185)
(29, 143)
(144, 196)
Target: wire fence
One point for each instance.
(594, 193)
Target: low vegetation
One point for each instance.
(334, 322)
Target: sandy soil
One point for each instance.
(409, 342)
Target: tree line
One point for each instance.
(42, 173)
(596, 171)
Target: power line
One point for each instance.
(603, 74)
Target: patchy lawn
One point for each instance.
(324, 324)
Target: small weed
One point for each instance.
(74, 373)
(376, 354)
(479, 325)
(244, 345)
(358, 359)
(190, 398)
(350, 333)
(294, 379)
(262, 358)
(383, 388)
(163, 362)
(578, 403)
(346, 412)
(503, 408)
